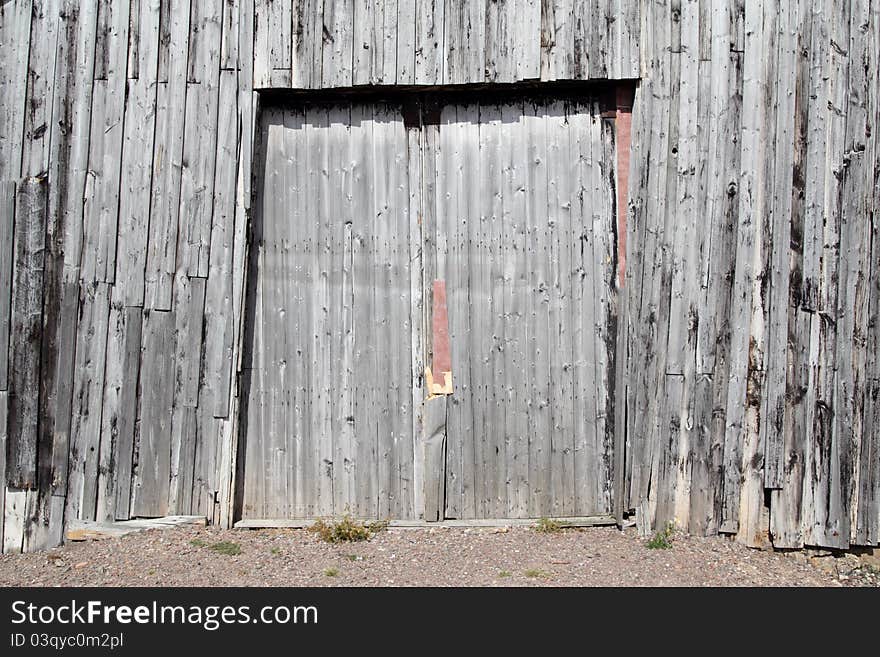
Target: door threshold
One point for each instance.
(303, 523)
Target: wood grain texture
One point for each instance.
(748, 325)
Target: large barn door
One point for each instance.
(478, 240)
(329, 422)
(526, 252)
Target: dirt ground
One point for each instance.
(598, 556)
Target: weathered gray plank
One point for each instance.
(138, 140)
(364, 317)
(38, 93)
(416, 211)
(200, 140)
(15, 35)
(105, 145)
(26, 333)
(189, 339)
(7, 235)
(120, 412)
(464, 42)
(87, 400)
(429, 39)
(152, 470)
(336, 45)
(219, 321)
(537, 304)
(14, 520)
(165, 195)
(516, 277)
(4, 424)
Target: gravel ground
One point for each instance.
(595, 556)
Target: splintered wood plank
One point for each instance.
(137, 143)
(526, 43)
(814, 202)
(310, 41)
(786, 504)
(741, 352)
(153, 468)
(558, 19)
(605, 277)
(854, 272)
(464, 42)
(866, 523)
(101, 209)
(500, 35)
(229, 467)
(200, 141)
(184, 436)
(626, 33)
(119, 412)
(70, 128)
(363, 37)
(268, 30)
(718, 199)
(229, 35)
(385, 53)
(37, 95)
(114, 379)
(87, 400)
(685, 245)
(830, 521)
(25, 333)
(429, 41)
(165, 196)
(15, 35)
(337, 43)
(780, 207)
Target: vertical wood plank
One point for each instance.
(153, 465)
(161, 263)
(7, 236)
(87, 402)
(26, 334)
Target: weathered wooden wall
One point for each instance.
(753, 279)
(754, 271)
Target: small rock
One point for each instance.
(81, 564)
